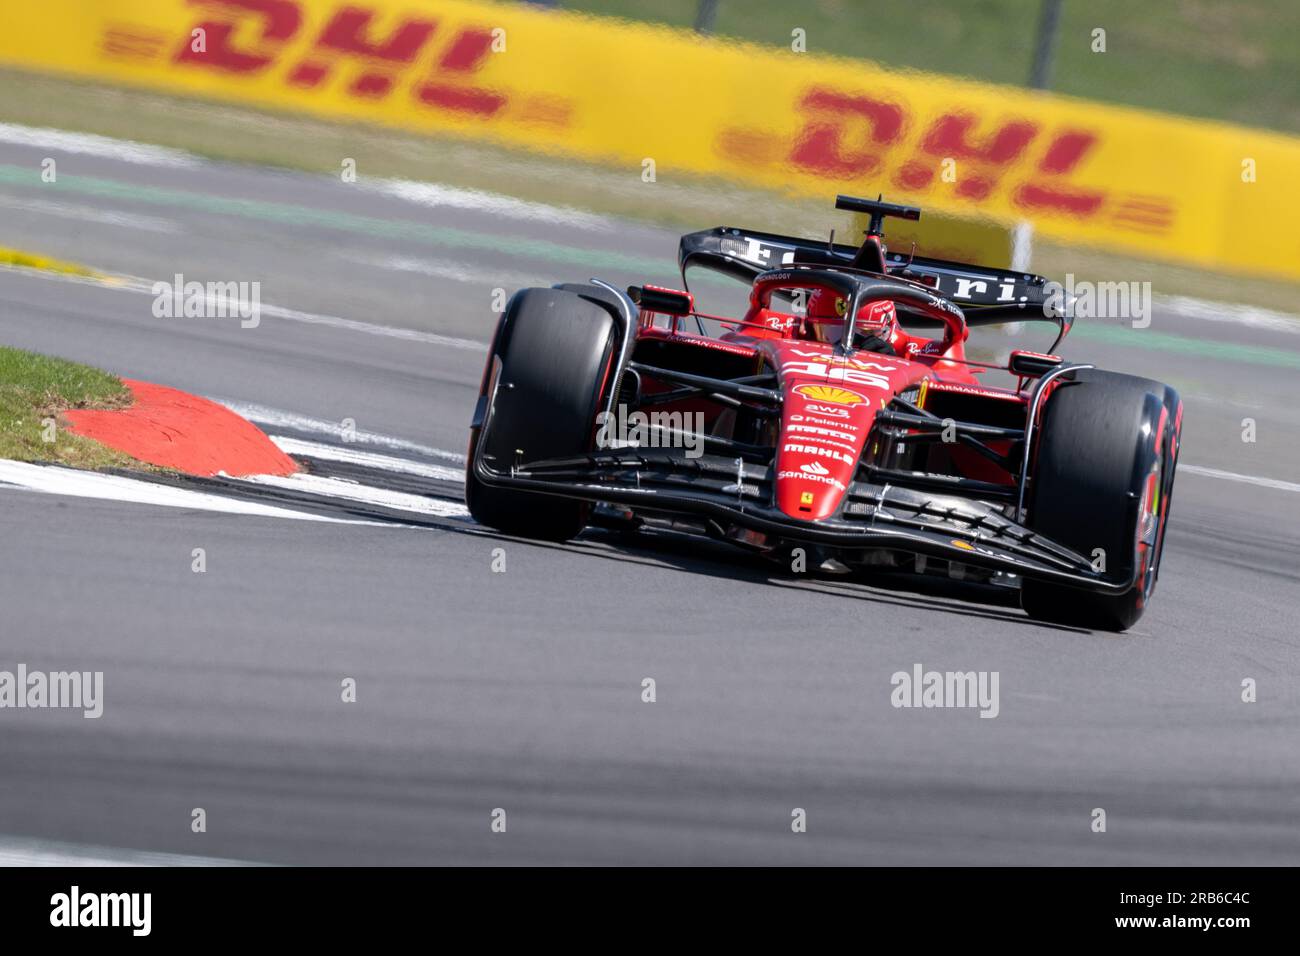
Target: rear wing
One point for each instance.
(986, 295)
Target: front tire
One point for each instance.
(554, 350)
(1108, 448)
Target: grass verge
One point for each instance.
(34, 390)
(686, 203)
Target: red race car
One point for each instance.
(837, 424)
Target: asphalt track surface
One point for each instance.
(522, 690)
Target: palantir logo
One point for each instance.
(74, 908)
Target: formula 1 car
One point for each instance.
(838, 419)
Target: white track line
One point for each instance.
(365, 494)
(26, 852)
(127, 283)
(51, 479)
(64, 210)
(89, 144)
(452, 271)
(279, 418)
(476, 200)
(510, 207)
(366, 459)
(1249, 315)
(1275, 483)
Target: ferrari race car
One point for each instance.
(837, 421)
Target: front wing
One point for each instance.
(874, 513)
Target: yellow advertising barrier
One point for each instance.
(1208, 193)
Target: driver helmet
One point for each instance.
(877, 318)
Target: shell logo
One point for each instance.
(831, 394)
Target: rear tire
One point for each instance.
(1099, 444)
(554, 348)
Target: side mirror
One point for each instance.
(1032, 364)
(653, 298)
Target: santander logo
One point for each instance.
(814, 468)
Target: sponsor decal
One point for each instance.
(877, 315)
(806, 498)
(979, 390)
(823, 432)
(828, 422)
(838, 373)
(1080, 171)
(967, 546)
(821, 479)
(829, 410)
(825, 361)
(830, 393)
(929, 348)
(817, 450)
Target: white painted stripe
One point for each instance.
(24, 851)
(51, 479)
(496, 204)
(1248, 315)
(366, 494)
(366, 459)
(63, 210)
(125, 283)
(278, 418)
(369, 328)
(454, 271)
(89, 144)
(146, 286)
(1275, 483)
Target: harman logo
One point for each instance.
(830, 393)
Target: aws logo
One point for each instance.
(830, 393)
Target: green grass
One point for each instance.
(34, 390)
(1235, 61)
